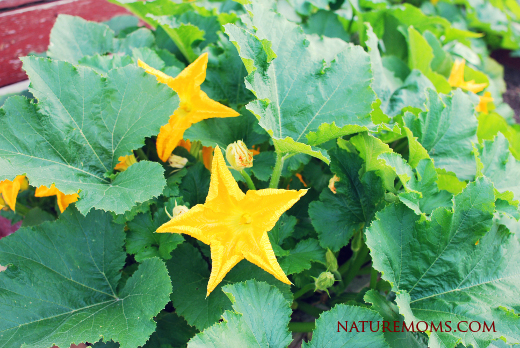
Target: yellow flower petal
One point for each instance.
(456, 78)
(195, 105)
(63, 200)
(125, 162)
(9, 190)
(483, 104)
(235, 224)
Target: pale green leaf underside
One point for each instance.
(259, 319)
(302, 82)
(60, 285)
(79, 128)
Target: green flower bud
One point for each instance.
(324, 281)
(332, 263)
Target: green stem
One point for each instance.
(277, 171)
(374, 274)
(249, 182)
(310, 309)
(142, 156)
(21, 209)
(301, 327)
(359, 258)
(304, 290)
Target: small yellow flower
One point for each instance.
(483, 103)
(125, 162)
(63, 199)
(235, 224)
(332, 181)
(239, 156)
(457, 78)
(9, 190)
(195, 105)
(177, 161)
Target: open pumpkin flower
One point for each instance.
(195, 105)
(63, 199)
(9, 190)
(125, 162)
(457, 78)
(235, 224)
(483, 103)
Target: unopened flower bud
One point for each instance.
(332, 181)
(239, 156)
(332, 262)
(178, 210)
(177, 161)
(324, 281)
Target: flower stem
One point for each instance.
(301, 327)
(142, 156)
(304, 290)
(249, 182)
(277, 171)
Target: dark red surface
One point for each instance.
(6, 228)
(26, 29)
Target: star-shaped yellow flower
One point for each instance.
(195, 105)
(457, 78)
(483, 103)
(63, 199)
(9, 190)
(235, 224)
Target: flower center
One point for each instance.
(186, 107)
(246, 218)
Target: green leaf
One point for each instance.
(225, 75)
(285, 65)
(172, 331)
(190, 275)
(389, 311)
(66, 272)
(420, 58)
(329, 334)
(441, 273)
(500, 166)
(299, 258)
(143, 242)
(103, 64)
(259, 319)
(447, 130)
(337, 216)
(411, 94)
(224, 131)
(82, 124)
(282, 230)
(122, 23)
(195, 184)
(326, 23)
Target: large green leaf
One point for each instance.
(302, 82)
(337, 216)
(447, 130)
(79, 128)
(259, 319)
(329, 333)
(458, 265)
(299, 258)
(60, 285)
(73, 38)
(190, 275)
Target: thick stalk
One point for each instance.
(304, 290)
(359, 258)
(248, 180)
(301, 327)
(310, 309)
(277, 171)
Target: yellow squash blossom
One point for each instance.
(235, 224)
(125, 162)
(63, 199)
(457, 78)
(483, 104)
(194, 106)
(9, 190)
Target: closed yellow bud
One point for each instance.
(239, 156)
(177, 161)
(178, 210)
(332, 181)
